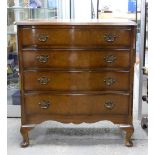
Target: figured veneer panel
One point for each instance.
(76, 80)
(76, 58)
(75, 104)
(73, 37)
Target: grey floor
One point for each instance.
(53, 138)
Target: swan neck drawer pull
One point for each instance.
(109, 81)
(43, 80)
(109, 105)
(42, 58)
(43, 37)
(110, 59)
(110, 38)
(44, 104)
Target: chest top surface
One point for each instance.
(117, 22)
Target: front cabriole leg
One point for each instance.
(24, 132)
(129, 132)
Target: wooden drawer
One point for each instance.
(75, 58)
(76, 80)
(76, 104)
(72, 37)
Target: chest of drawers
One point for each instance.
(75, 72)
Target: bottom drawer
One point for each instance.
(76, 104)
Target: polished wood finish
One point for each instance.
(75, 22)
(74, 104)
(76, 72)
(82, 37)
(76, 80)
(129, 132)
(76, 58)
(24, 131)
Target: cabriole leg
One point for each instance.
(129, 132)
(24, 132)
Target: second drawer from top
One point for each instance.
(76, 58)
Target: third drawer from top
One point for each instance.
(76, 80)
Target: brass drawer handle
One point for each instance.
(42, 58)
(43, 80)
(110, 37)
(110, 59)
(44, 104)
(109, 105)
(43, 37)
(109, 81)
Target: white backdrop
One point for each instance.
(82, 9)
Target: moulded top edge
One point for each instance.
(119, 22)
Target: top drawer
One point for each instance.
(75, 37)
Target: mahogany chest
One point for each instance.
(76, 72)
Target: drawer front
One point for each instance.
(76, 80)
(76, 104)
(75, 59)
(71, 37)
